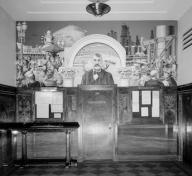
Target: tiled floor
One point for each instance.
(106, 169)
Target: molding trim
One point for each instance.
(84, 2)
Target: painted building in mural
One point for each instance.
(60, 57)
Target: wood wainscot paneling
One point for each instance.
(145, 136)
(108, 127)
(6, 157)
(124, 105)
(24, 102)
(185, 116)
(170, 105)
(7, 114)
(41, 145)
(72, 115)
(25, 112)
(7, 104)
(171, 120)
(47, 145)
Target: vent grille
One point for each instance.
(187, 39)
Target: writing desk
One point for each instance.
(24, 128)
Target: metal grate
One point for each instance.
(187, 39)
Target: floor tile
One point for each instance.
(106, 169)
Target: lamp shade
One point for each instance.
(98, 9)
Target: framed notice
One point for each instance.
(49, 104)
(146, 97)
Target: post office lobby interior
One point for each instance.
(129, 113)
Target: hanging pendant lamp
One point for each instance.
(98, 7)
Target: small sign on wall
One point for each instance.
(48, 102)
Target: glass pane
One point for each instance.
(42, 111)
(144, 112)
(135, 101)
(155, 104)
(146, 97)
(43, 97)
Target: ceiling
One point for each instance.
(74, 10)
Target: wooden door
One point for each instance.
(97, 127)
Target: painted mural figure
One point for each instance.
(30, 80)
(97, 75)
(154, 82)
(169, 80)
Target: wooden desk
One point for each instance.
(24, 128)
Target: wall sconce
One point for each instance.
(98, 7)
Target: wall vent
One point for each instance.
(187, 39)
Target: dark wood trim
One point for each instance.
(96, 87)
(7, 89)
(184, 88)
(29, 90)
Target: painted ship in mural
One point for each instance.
(69, 57)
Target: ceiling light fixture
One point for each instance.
(98, 7)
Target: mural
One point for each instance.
(149, 61)
(86, 62)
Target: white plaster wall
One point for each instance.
(7, 49)
(184, 57)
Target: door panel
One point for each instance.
(97, 113)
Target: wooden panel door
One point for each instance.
(97, 130)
